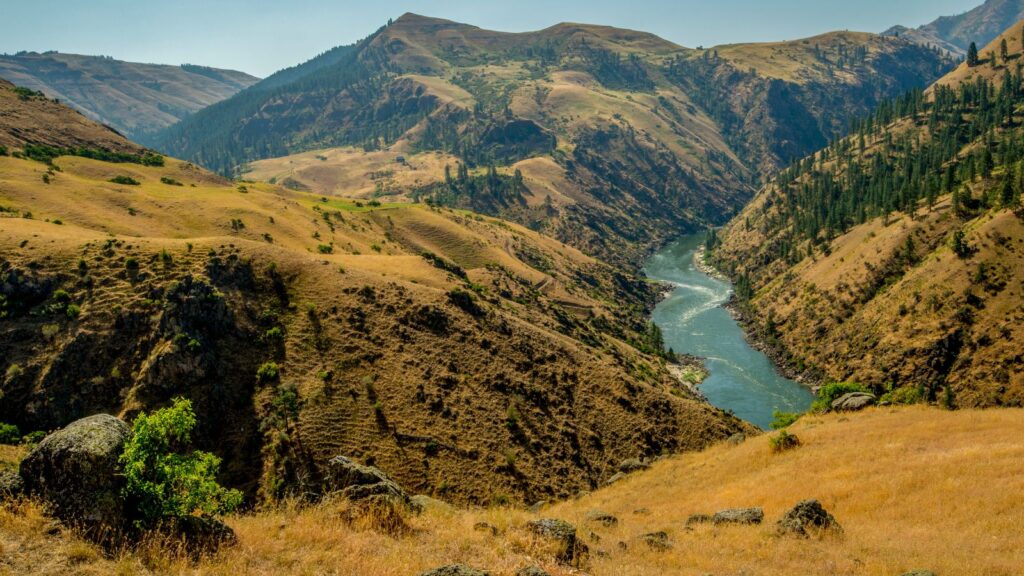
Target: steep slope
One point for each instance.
(955, 33)
(893, 257)
(135, 99)
(462, 354)
(907, 478)
(617, 139)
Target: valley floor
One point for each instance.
(913, 488)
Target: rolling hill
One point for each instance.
(954, 34)
(893, 257)
(467, 356)
(621, 139)
(135, 99)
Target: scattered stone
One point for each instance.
(642, 511)
(919, 573)
(572, 550)
(422, 502)
(531, 571)
(454, 570)
(615, 478)
(738, 516)
(737, 439)
(201, 535)
(699, 519)
(657, 541)
(807, 514)
(601, 517)
(76, 471)
(623, 546)
(485, 527)
(633, 465)
(538, 506)
(854, 401)
(595, 537)
(11, 485)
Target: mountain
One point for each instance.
(892, 258)
(135, 99)
(620, 139)
(913, 459)
(465, 355)
(954, 34)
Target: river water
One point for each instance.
(693, 321)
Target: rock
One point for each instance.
(737, 438)
(531, 571)
(642, 511)
(201, 535)
(853, 401)
(615, 478)
(76, 471)
(11, 485)
(422, 502)
(485, 527)
(807, 514)
(699, 519)
(358, 482)
(601, 517)
(919, 573)
(657, 541)
(454, 570)
(538, 506)
(594, 537)
(738, 516)
(571, 550)
(632, 465)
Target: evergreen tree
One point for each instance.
(972, 55)
(1004, 51)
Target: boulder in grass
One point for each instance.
(806, 516)
(852, 401)
(359, 483)
(11, 485)
(76, 471)
(531, 571)
(601, 517)
(571, 550)
(454, 570)
(738, 516)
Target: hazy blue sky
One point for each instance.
(262, 36)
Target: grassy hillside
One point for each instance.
(135, 99)
(622, 139)
(893, 258)
(954, 34)
(904, 477)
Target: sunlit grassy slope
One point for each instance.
(913, 488)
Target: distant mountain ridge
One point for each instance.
(622, 138)
(954, 34)
(135, 99)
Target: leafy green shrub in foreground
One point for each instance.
(162, 479)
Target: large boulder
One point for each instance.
(359, 483)
(852, 401)
(807, 514)
(570, 549)
(76, 471)
(738, 516)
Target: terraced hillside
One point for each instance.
(621, 139)
(135, 99)
(465, 355)
(894, 258)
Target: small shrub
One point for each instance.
(903, 395)
(782, 420)
(783, 441)
(465, 301)
(162, 480)
(274, 334)
(125, 180)
(73, 311)
(9, 434)
(33, 438)
(324, 248)
(268, 372)
(170, 181)
(131, 263)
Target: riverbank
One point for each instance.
(690, 372)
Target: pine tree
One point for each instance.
(972, 55)
(1004, 50)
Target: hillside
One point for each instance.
(621, 139)
(893, 257)
(134, 99)
(905, 477)
(954, 34)
(303, 327)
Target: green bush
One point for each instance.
(162, 480)
(829, 392)
(782, 420)
(126, 180)
(783, 441)
(268, 372)
(170, 181)
(73, 310)
(33, 437)
(325, 248)
(903, 395)
(9, 434)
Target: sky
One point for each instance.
(263, 36)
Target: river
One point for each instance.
(693, 321)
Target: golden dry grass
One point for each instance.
(912, 487)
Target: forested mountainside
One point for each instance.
(954, 34)
(620, 138)
(135, 99)
(895, 257)
(468, 357)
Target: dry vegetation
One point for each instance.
(900, 492)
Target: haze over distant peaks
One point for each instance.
(954, 34)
